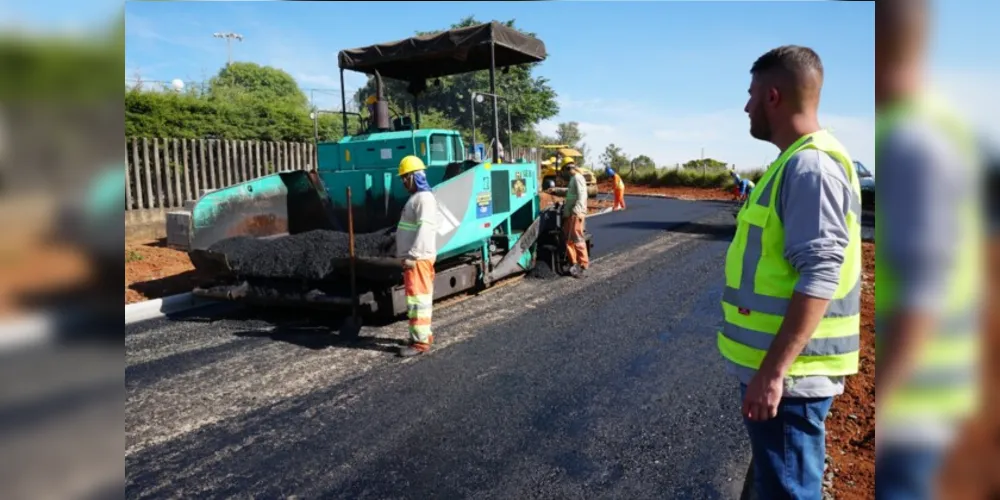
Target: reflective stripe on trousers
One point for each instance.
(419, 285)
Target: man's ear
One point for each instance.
(773, 96)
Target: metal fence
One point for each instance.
(164, 173)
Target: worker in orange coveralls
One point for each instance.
(416, 245)
(574, 215)
(618, 188)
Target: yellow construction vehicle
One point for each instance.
(550, 169)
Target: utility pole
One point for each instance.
(229, 37)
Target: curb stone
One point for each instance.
(158, 308)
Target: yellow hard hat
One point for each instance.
(566, 161)
(410, 164)
(371, 100)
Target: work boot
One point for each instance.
(412, 350)
(576, 272)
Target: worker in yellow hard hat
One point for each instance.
(574, 217)
(416, 245)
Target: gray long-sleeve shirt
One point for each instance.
(814, 197)
(924, 179)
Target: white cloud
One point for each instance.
(669, 138)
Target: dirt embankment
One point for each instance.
(850, 427)
(973, 467)
(683, 193)
(153, 271)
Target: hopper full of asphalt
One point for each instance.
(311, 255)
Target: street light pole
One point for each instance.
(229, 37)
(477, 96)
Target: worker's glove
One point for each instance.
(409, 263)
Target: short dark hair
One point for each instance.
(799, 66)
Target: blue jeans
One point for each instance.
(906, 472)
(789, 450)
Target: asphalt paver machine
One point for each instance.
(259, 238)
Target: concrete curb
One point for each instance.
(26, 331)
(158, 308)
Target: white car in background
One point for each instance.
(867, 178)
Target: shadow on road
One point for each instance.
(315, 330)
(319, 338)
(721, 232)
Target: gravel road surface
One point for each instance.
(609, 387)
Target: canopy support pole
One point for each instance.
(496, 110)
(343, 101)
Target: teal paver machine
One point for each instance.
(491, 225)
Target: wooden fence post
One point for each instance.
(138, 177)
(213, 176)
(176, 172)
(194, 169)
(187, 172)
(228, 164)
(201, 158)
(171, 171)
(128, 181)
(147, 177)
(159, 174)
(245, 162)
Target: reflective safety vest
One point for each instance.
(760, 281)
(944, 384)
(619, 183)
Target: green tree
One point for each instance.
(531, 99)
(244, 81)
(614, 157)
(706, 164)
(569, 133)
(642, 162)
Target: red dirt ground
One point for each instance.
(152, 271)
(973, 468)
(683, 193)
(35, 267)
(851, 425)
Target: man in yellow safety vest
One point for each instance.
(928, 267)
(792, 300)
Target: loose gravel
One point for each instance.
(309, 255)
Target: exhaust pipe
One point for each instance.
(380, 110)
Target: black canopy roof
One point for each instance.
(448, 53)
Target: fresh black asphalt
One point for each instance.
(610, 387)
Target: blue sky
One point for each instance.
(682, 89)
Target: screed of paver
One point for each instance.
(237, 385)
